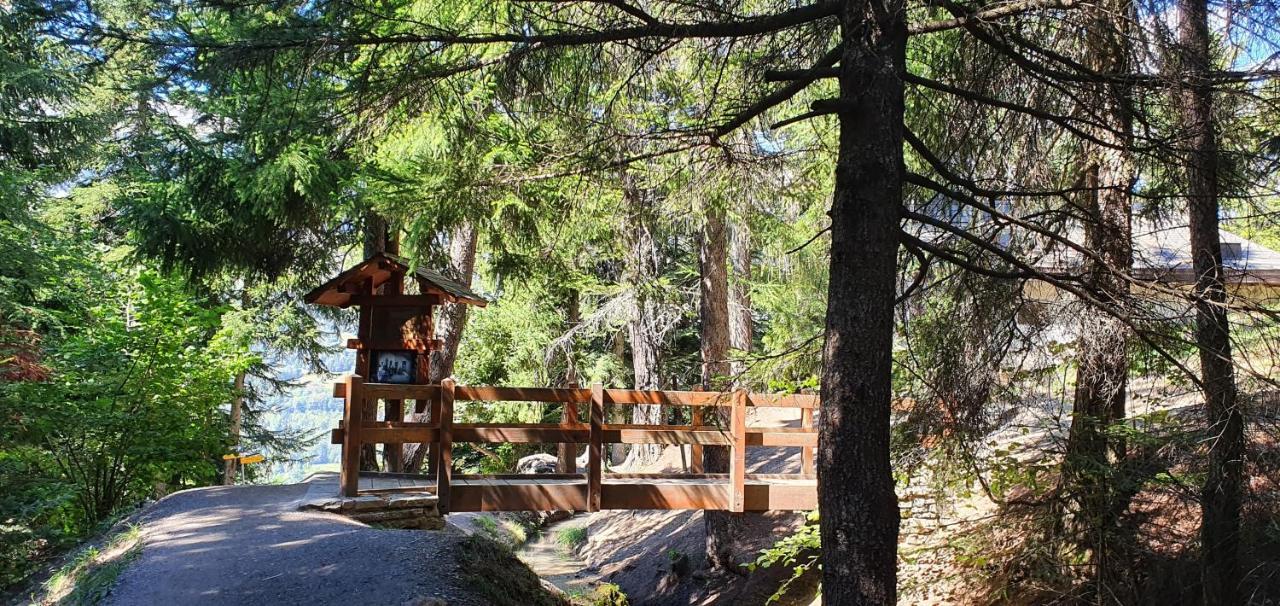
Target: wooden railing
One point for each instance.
(441, 432)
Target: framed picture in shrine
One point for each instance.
(394, 367)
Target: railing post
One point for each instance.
(444, 474)
(391, 453)
(569, 452)
(738, 452)
(806, 453)
(353, 418)
(595, 449)
(695, 450)
(433, 448)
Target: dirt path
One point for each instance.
(249, 545)
(559, 564)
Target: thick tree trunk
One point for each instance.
(859, 527)
(713, 331)
(237, 417)
(741, 324)
(1220, 498)
(449, 328)
(378, 237)
(1103, 363)
(568, 453)
(453, 316)
(642, 334)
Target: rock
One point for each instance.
(426, 602)
(538, 463)
(399, 501)
(366, 503)
(680, 564)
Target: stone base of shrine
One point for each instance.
(408, 511)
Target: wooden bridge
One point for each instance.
(593, 490)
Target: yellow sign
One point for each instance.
(229, 457)
(252, 459)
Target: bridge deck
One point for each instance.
(547, 492)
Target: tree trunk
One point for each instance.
(1220, 498)
(453, 320)
(378, 237)
(1103, 364)
(642, 272)
(741, 325)
(713, 332)
(859, 528)
(237, 412)
(568, 453)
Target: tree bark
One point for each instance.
(641, 273)
(859, 527)
(741, 324)
(713, 332)
(568, 453)
(1220, 497)
(1103, 362)
(449, 328)
(378, 237)
(237, 417)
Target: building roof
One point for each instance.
(1162, 253)
(378, 270)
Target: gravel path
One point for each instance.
(249, 545)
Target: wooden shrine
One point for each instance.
(396, 331)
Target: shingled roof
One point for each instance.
(379, 269)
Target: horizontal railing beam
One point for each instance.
(531, 433)
(581, 396)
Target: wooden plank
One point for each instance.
(781, 497)
(782, 436)
(567, 453)
(697, 419)
(706, 495)
(490, 496)
(401, 392)
(433, 448)
(545, 433)
(523, 394)
(353, 410)
(393, 411)
(394, 300)
(595, 450)
(519, 433)
(768, 400)
(738, 451)
(663, 434)
(398, 435)
(708, 398)
(339, 390)
(806, 451)
(445, 472)
(668, 398)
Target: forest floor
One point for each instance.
(250, 545)
(657, 558)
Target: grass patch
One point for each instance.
(93, 571)
(605, 594)
(571, 538)
(491, 570)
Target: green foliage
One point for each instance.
(572, 538)
(133, 397)
(93, 570)
(605, 594)
(495, 573)
(800, 552)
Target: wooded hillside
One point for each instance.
(936, 214)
